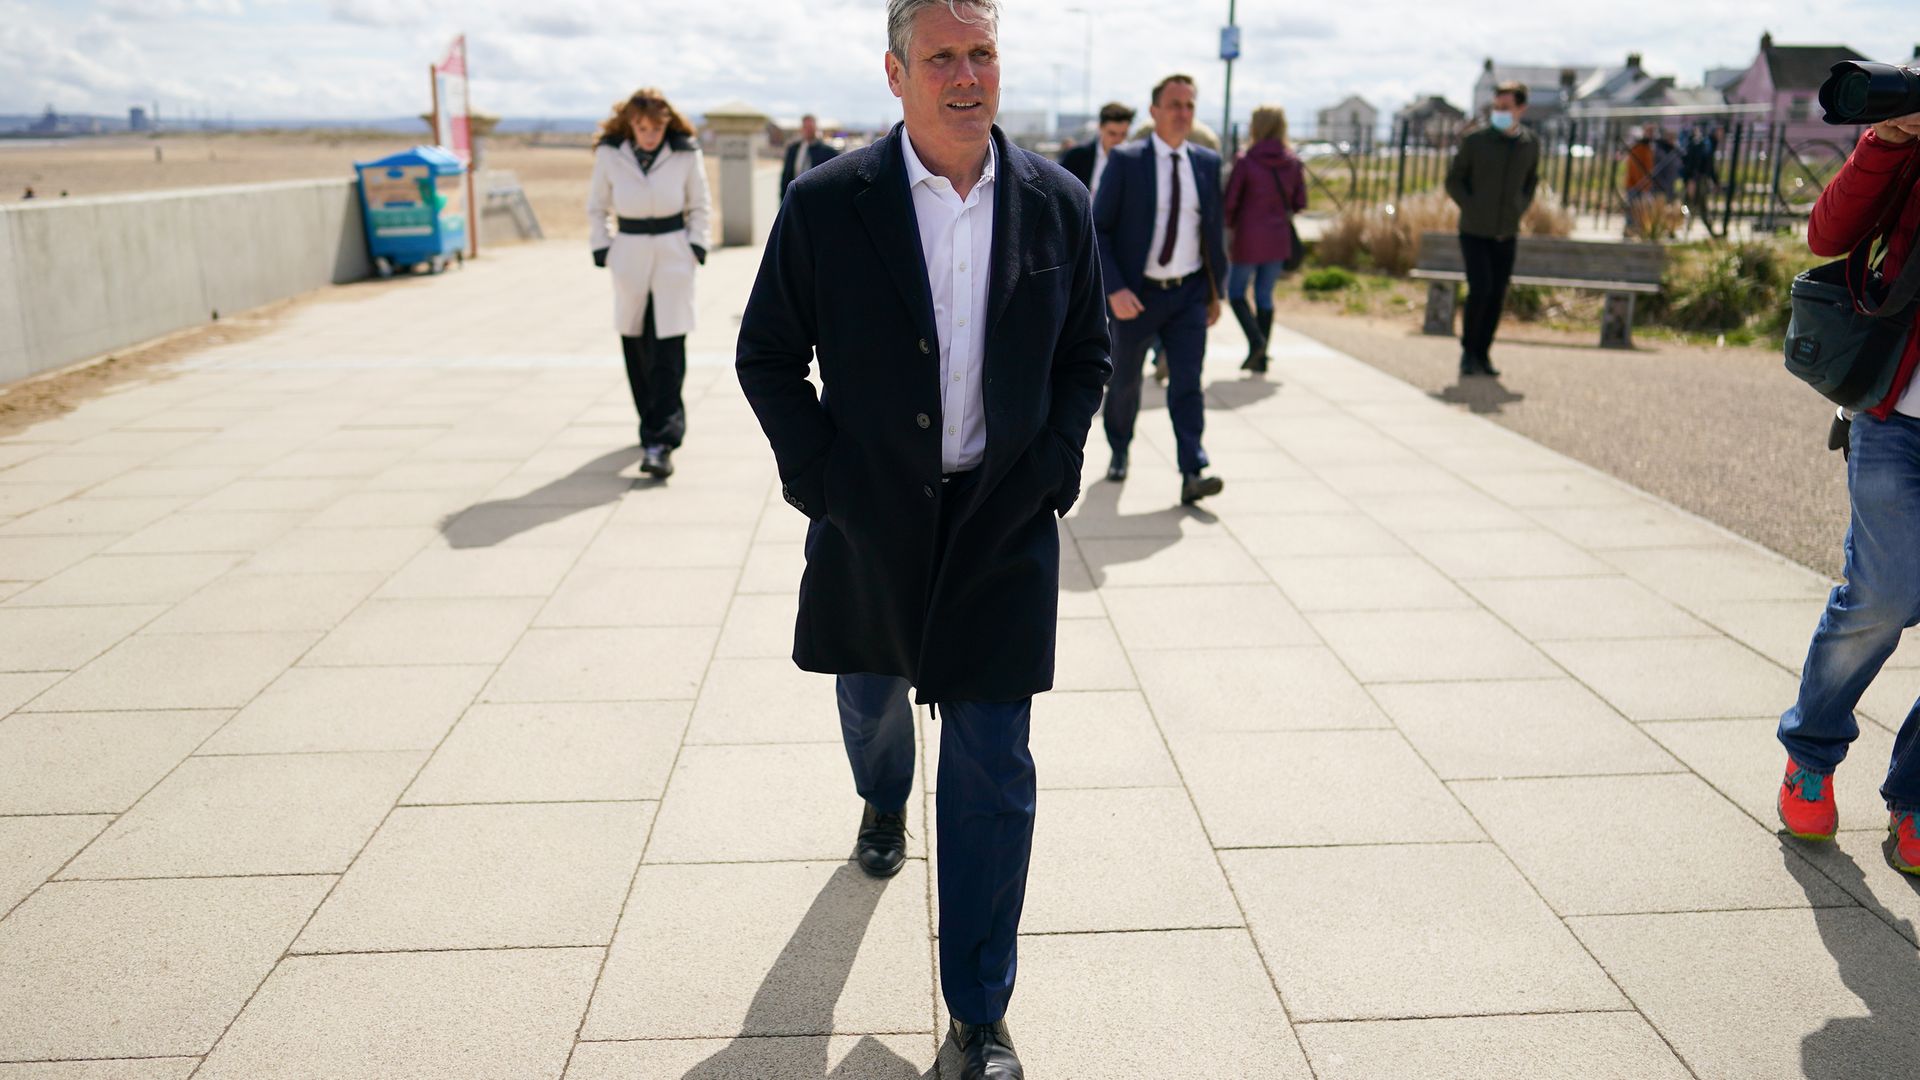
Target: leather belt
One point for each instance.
(653, 226)
(1170, 284)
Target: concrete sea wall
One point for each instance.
(81, 277)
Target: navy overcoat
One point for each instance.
(969, 615)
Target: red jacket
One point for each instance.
(1267, 188)
(1847, 213)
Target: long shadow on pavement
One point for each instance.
(784, 1036)
(1483, 396)
(1883, 970)
(594, 483)
(1124, 538)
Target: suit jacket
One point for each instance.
(1124, 212)
(819, 152)
(968, 615)
(1079, 161)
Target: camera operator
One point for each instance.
(1881, 596)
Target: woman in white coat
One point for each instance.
(647, 218)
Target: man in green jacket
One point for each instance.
(1492, 179)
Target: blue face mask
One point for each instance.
(1501, 120)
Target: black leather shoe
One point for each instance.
(882, 847)
(658, 462)
(1487, 368)
(1117, 468)
(986, 1052)
(1194, 487)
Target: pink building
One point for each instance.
(1788, 78)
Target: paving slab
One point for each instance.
(479, 572)
(640, 596)
(1222, 690)
(495, 1015)
(1563, 1046)
(1210, 616)
(1425, 646)
(141, 968)
(555, 753)
(1367, 787)
(93, 763)
(244, 531)
(1712, 985)
(245, 603)
(758, 626)
(313, 710)
(467, 630)
(752, 1057)
(1310, 534)
(1470, 936)
(1584, 608)
(282, 814)
(763, 803)
(33, 848)
(485, 877)
(369, 550)
(1577, 840)
(1496, 554)
(127, 579)
(61, 639)
(178, 671)
(1860, 861)
(171, 1068)
(19, 687)
(1365, 583)
(1518, 727)
(1722, 679)
(604, 664)
(1133, 859)
(765, 700)
(1696, 577)
(1088, 656)
(805, 948)
(35, 558)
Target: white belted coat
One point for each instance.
(661, 265)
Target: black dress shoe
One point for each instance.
(1487, 368)
(1194, 487)
(1117, 468)
(658, 462)
(882, 847)
(986, 1052)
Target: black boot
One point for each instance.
(1256, 341)
(1265, 315)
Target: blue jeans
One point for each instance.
(1264, 276)
(1865, 616)
(985, 810)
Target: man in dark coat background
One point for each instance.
(806, 152)
(948, 283)
(1164, 261)
(1088, 161)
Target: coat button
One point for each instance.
(923, 347)
(924, 421)
(927, 490)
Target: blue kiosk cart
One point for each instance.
(415, 205)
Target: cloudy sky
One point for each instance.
(570, 58)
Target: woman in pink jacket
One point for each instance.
(1267, 188)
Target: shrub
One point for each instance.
(1328, 279)
(1656, 217)
(1526, 302)
(1339, 243)
(1548, 216)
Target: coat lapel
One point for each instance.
(1010, 190)
(886, 209)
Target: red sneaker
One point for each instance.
(1905, 827)
(1806, 804)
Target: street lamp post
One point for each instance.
(1227, 140)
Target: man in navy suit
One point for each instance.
(947, 282)
(1163, 254)
(804, 153)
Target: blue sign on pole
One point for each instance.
(1229, 43)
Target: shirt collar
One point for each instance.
(918, 173)
(1160, 147)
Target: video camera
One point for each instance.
(1863, 92)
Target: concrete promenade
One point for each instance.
(363, 717)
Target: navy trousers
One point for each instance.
(985, 809)
(1179, 318)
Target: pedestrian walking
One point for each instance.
(804, 153)
(1880, 596)
(1492, 179)
(1088, 162)
(947, 282)
(647, 219)
(1163, 258)
(1268, 186)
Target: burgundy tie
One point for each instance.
(1173, 214)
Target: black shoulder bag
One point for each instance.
(1297, 252)
(1840, 340)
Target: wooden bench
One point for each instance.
(1622, 271)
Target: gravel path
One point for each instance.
(1725, 433)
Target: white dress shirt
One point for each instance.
(1186, 246)
(956, 239)
(803, 158)
(1099, 166)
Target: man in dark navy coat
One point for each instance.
(1089, 160)
(804, 153)
(948, 283)
(1163, 253)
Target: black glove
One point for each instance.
(600, 258)
(699, 254)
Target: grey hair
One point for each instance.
(901, 13)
